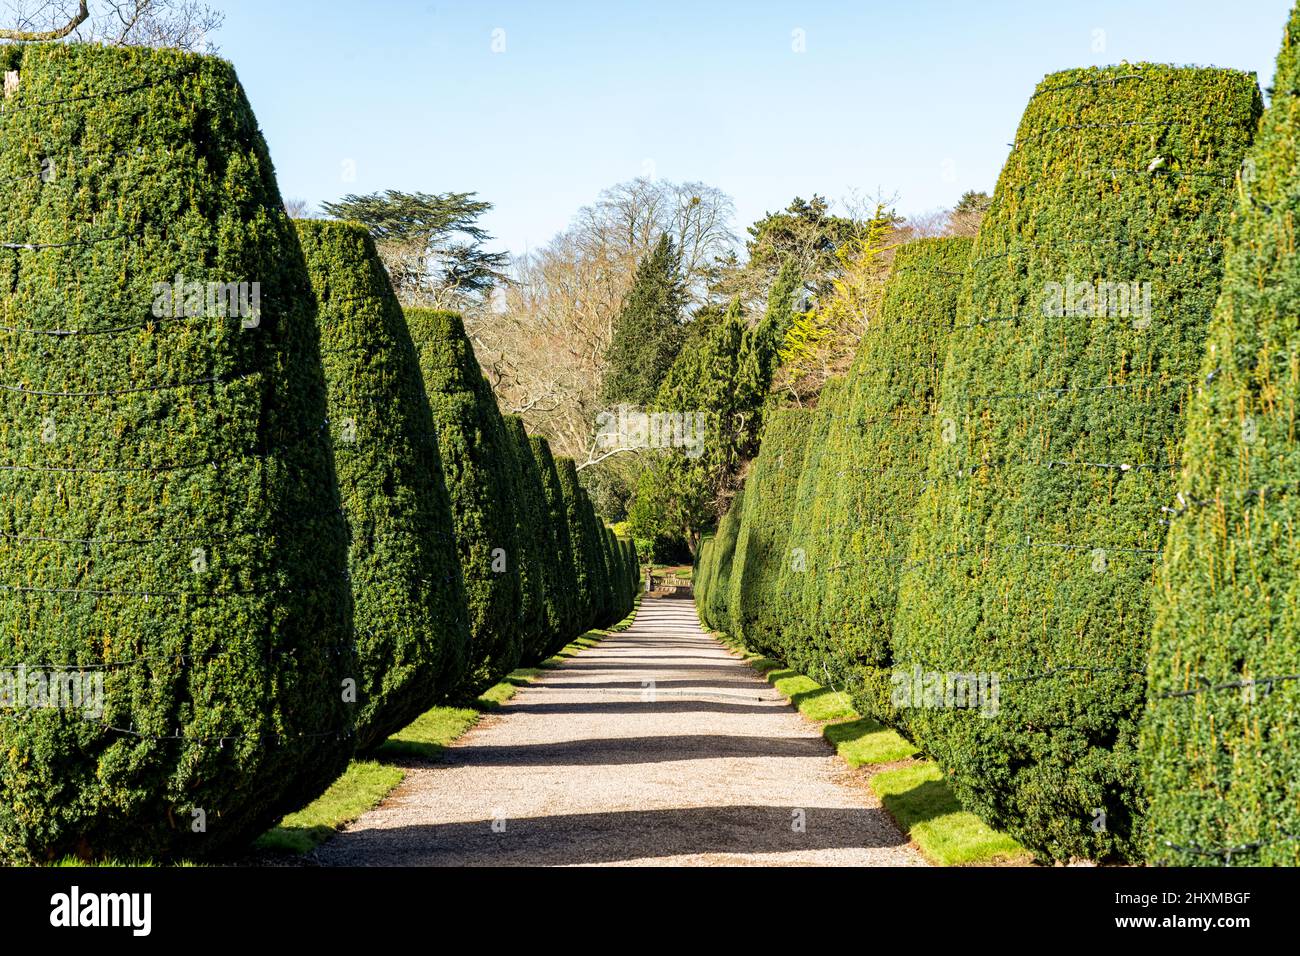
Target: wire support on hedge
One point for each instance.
(1185, 504)
(151, 323)
(251, 452)
(105, 159)
(1054, 392)
(186, 658)
(1227, 853)
(6, 110)
(1097, 82)
(1113, 173)
(1127, 124)
(71, 243)
(1029, 545)
(969, 471)
(1249, 682)
(166, 539)
(109, 592)
(1139, 243)
(109, 393)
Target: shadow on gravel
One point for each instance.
(697, 702)
(634, 750)
(617, 837)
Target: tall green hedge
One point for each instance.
(565, 599)
(537, 559)
(1056, 441)
(595, 548)
(804, 645)
(1219, 741)
(584, 580)
(479, 468)
(412, 633)
(877, 453)
(756, 605)
(714, 593)
(632, 566)
(170, 520)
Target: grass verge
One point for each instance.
(916, 795)
(367, 782)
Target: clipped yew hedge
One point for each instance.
(479, 467)
(1034, 541)
(802, 642)
(713, 580)
(412, 634)
(537, 560)
(875, 454)
(584, 579)
(170, 524)
(595, 552)
(565, 600)
(1219, 741)
(632, 565)
(757, 608)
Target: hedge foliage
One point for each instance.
(1033, 542)
(802, 643)
(479, 467)
(756, 606)
(1220, 759)
(584, 578)
(537, 559)
(566, 600)
(875, 453)
(712, 576)
(597, 553)
(170, 516)
(412, 634)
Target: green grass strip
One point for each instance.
(920, 800)
(916, 795)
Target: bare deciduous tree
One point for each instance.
(542, 339)
(183, 24)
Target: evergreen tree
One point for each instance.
(648, 331)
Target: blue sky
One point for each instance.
(914, 97)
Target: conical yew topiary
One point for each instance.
(876, 455)
(538, 560)
(715, 593)
(1219, 739)
(1055, 445)
(584, 580)
(411, 628)
(804, 644)
(173, 557)
(758, 610)
(478, 465)
(564, 599)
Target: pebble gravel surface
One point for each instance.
(655, 747)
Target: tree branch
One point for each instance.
(31, 36)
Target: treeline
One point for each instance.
(241, 536)
(1044, 525)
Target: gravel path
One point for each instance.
(655, 747)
